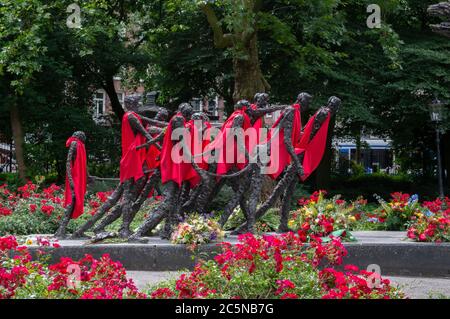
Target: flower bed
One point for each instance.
(277, 267)
(433, 224)
(33, 209)
(88, 278)
(318, 216)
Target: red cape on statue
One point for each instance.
(153, 155)
(279, 156)
(224, 145)
(199, 143)
(132, 159)
(313, 150)
(181, 169)
(152, 159)
(79, 175)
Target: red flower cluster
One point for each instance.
(105, 278)
(26, 190)
(95, 204)
(437, 206)
(4, 211)
(103, 196)
(399, 200)
(313, 198)
(353, 284)
(47, 200)
(12, 277)
(47, 209)
(88, 278)
(432, 229)
(275, 262)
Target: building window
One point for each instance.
(99, 103)
(197, 104)
(213, 107)
(121, 98)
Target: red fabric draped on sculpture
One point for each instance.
(224, 144)
(177, 169)
(153, 156)
(313, 150)
(199, 143)
(132, 159)
(279, 156)
(79, 175)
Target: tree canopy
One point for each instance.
(385, 76)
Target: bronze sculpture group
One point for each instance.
(288, 153)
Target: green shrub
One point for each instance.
(367, 185)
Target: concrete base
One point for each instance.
(395, 255)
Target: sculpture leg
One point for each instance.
(61, 232)
(256, 186)
(206, 196)
(159, 213)
(172, 218)
(152, 182)
(285, 208)
(193, 197)
(239, 189)
(109, 219)
(116, 212)
(111, 201)
(127, 210)
(277, 192)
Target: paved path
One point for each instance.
(414, 287)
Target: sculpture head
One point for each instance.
(241, 104)
(80, 135)
(304, 99)
(261, 100)
(334, 103)
(200, 116)
(186, 110)
(162, 114)
(132, 102)
(200, 119)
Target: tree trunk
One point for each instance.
(17, 132)
(117, 108)
(323, 172)
(446, 160)
(248, 77)
(358, 149)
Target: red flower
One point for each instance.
(352, 268)
(278, 259)
(47, 209)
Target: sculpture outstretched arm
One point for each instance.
(155, 130)
(153, 141)
(138, 127)
(154, 122)
(262, 112)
